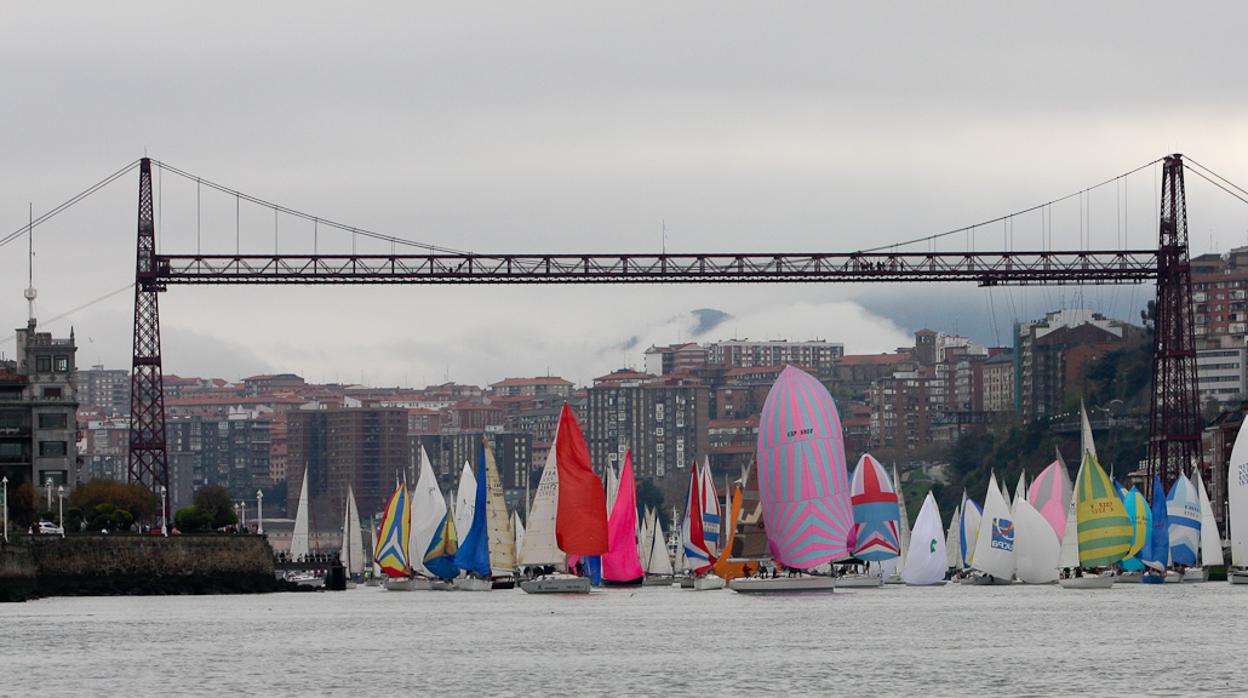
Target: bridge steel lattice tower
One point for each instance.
(1175, 426)
(148, 462)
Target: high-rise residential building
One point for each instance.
(816, 356)
(1220, 299)
(996, 380)
(38, 411)
(677, 358)
(1055, 352)
(233, 452)
(366, 448)
(532, 387)
(106, 449)
(513, 455)
(663, 423)
(904, 408)
(105, 388)
(1222, 374)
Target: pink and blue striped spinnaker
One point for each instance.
(802, 479)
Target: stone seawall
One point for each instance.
(95, 565)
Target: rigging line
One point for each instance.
(1186, 161)
(1217, 184)
(1030, 209)
(68, 203)
(309, 217)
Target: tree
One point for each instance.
(214, 501)
(22, 505)
(192, 519)
(131, 497)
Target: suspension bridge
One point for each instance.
(1175, 424)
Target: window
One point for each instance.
(61, 364)
(52, 449)
(52, 393)
(52, 421)
(11, 452)
(43, 364)
(658, 431)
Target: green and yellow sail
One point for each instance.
(1105, 531)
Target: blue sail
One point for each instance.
(1141, 519)
(1183, 510)
(474, 550)
(1156, 553)
(593, 566)
(440, 555)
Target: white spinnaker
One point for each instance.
(428, 509)
(994, 549)
(1037, 548)
(925, 560)
(1210, 540)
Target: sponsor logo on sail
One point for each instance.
(1002, 534)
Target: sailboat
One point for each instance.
(892, 570)
(1237, 509)
(711, 519)
(803, 483)
(1141, 516)
(1210, 539)
(439, 555)
(621, 564)
(1104, 531)
(656, 561)
(698, 556)
(352, 554)
(299, 541)
(1036, 546)
(498, 523)
(539, 550)
(473, 555)
(517, 526)
(580, 518)
(465, 499)
(1156, 551)
(953, 542)
(738, 558)
(1183, 511)
(968, 533)
(393, 541)
(1050, 494)
(926, 556)
(430, 526)
(994, 548)
(876, 514)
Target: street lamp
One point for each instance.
(164, 512)
(242, 506)
(259, 511)
(60, 508)
(4, 499)
(48, 488)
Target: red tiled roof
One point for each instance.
(541, 380)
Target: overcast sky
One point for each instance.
(569, 127)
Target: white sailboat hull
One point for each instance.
(472, 584)
(893, 579)
(1087, 582)
(938, 583)
(1237, 576)
(1196, 574)
(859, 581)
(556, 584)
(709, 582)
(397, 584)
(758, 585)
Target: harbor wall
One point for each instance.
(103, 565)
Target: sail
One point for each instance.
(1104, 529)
(474, 549)
(613, 488)
(1068, 558)
(1183, 512)
(994, 549)
(1037, 547)
(645, 534)
(1156, 552)
(658, 563)
(876, 512)
(1141, 516)
(692, 535)
(1050, 495)
(465, 499)
(925, 560)
(393, 535)
(581, 514)
(1020, 490)
(539, 538)
(726, 568)
(1210, 540)
(299, 537)
(903, 522)
(1237, 500)
(801, 471)
(517, 526)
(622, 563)
(497, 519)
(710, 510)
(352, 538)
(1086, 445)
(428, 512)
(972, 514)
(439, 557)
(953, 543)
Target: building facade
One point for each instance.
(38, 411)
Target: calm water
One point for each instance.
(952, 640)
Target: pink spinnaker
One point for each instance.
(1050, 494)
(801, 473)
(621, 563)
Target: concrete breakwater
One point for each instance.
(109, 565)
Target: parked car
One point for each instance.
(49, 528)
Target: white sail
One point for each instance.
(497, 519)
(1237, 500)
(953, 542)
(428, 510)
(972, 521)
(1020, 491)
(517, 527)
(1069, 555)
(711, 524)
(299, 537)
(644, 536)
(465, 500)
(1036, 548)
(903, 522)
(1085, 434)
(613, 486)
(925, 560)
(539, 546)
(352, 537)
(1210, 539)
(659, 563)
(994, 549)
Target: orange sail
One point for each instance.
(727, 568)
(581, 516)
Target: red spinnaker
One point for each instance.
(581, 517)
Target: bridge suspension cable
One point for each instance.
(49, 215)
